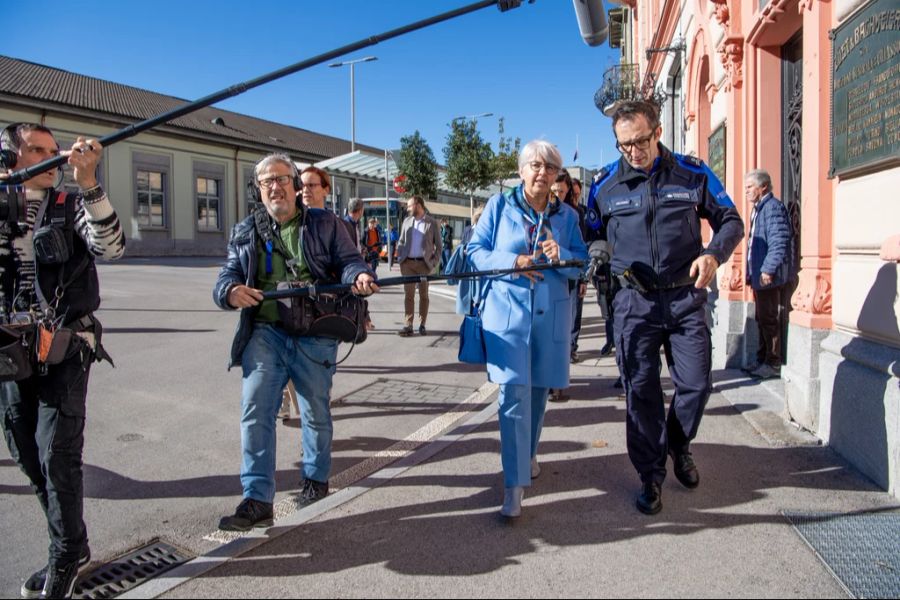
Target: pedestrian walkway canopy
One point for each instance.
(365, 165)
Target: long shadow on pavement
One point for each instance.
(464, 536)
(584, 496)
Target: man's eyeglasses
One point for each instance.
(641, 144)
(550, 169)
(281, 180)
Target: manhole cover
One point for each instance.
(862, 551)
(130, 570)
(411, 393)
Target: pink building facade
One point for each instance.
(807, 90)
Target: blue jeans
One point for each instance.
(269, 360)
(521, 415)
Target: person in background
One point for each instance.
(468, 287)
(565, 191)
(768, 268)
(419, 253)
(352, 222)
(527, 317)
(446, 242)
(372, 243)
(577, 197)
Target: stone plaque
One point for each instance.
(717, 152)
(865, 90)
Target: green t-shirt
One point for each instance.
(292, 245)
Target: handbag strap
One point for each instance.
(483, 284)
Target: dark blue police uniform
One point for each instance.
(652, 223)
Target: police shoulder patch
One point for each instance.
(691, 160)
(606, 172)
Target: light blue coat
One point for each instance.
(527, 328)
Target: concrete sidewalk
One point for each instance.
(427, 525)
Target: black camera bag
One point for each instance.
(339, 316)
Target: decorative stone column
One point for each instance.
(811, 321)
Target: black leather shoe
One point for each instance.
(422, 330)
(405, 332)
(650, 500)
(685, 470)
(250, 513)
(606, 349)
(311, 491)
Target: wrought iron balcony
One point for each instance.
(624, 82)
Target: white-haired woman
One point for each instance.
(527, 318)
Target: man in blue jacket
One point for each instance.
(648, 205)
(286, 242)
(768, 268)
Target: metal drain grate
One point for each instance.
(130, 570)
(862, 551)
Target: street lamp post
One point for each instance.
(352, 64)
(474, 119)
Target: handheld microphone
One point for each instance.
(591, 21)
(600, 255)
(599, 252)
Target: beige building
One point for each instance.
(180, 187)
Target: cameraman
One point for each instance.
(44, 414)
(285, 242)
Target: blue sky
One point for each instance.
(528, 65)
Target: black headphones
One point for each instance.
(8, 144)
(254, 192)
(9, 148)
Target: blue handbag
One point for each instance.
(471, 333)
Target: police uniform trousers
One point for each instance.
(43, 422)
(643, 324)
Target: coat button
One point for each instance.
(540, 312)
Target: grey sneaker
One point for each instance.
(34, 585)
(765, 372)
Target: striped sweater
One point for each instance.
(97, 224)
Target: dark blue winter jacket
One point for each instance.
(652, 220)
(769, 247)
(328, 251)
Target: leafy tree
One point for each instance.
(506, 160)
(470, 160)
(416, 162)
